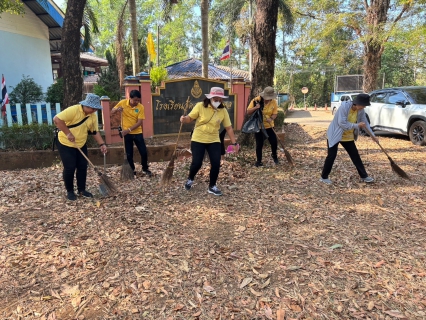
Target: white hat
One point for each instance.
(216, 92)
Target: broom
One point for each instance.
(126, 169)
(106, 186)
(168, 173)
(394, 166)
(286, 153)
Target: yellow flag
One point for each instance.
(151, 48)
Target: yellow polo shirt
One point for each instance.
(131, 115)
(207, 122)
(348, 135)
(73, 115)
(268, 110)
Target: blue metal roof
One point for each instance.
(193, 68)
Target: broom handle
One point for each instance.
(180, 129)
(378, 143)
(121, 122)
(85, 156)
(281, 143)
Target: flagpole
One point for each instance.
(230, 62)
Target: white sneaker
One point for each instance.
(326, 181)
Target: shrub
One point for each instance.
(279, 120)
(27, 137)
(26, 91)
(55, 93)
(157, 74)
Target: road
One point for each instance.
(318, 118)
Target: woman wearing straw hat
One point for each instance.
(267, 103)
(350, 117)
(208, 115)
(74, 124)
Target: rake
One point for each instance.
(106, 186)
(394, 166)
(286, 153)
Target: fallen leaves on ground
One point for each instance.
(278, 245)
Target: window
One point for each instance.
(396, 97)
(378, 97)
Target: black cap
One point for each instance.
(362, 99)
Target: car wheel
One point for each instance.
(333, 111)
(417, 133)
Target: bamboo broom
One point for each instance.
(286, 153)
(126, 169)
(394, 166)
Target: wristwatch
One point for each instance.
(234, 144)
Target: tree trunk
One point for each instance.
(263, 48)
(263, 45)
(205, 36)
(377, 16)
(70, 62)
(134, 30)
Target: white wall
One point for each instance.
(25, 50)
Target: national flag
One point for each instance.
(4, 96)
(226, 54)
(150, 47)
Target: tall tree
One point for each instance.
(205, 36)
(134, 31)
(70, 52)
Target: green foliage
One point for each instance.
(11, 6)
(55, 93)
(109, 83)
(157, 74)
(279, 120)
(27, 137)
(26, 91)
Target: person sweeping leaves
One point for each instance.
(208, 115)
(75, 123)
(133, 114)
(350, 117)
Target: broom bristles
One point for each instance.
(168, 173)
(399, 171)
(126, 171)
(108, 184)
(288, 157)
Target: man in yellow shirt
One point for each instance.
(133, 114)
(268, 105)
(74, 124)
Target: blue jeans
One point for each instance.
(129, 139)
(73, 161)
(198, 149)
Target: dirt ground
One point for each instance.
(278, 244)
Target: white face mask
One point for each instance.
(215, 104)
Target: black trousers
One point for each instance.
(138, 140)
(222, 142)
(198, 149)
(352, 151)
(259, 143)
(73, 162)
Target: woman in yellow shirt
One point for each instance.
(268, 105)
(208, 115)
(74, 124)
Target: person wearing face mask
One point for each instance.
(208, 115)
(133, 114)
(267, 103)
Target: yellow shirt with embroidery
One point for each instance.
(73, 115)
(268, 110)
(131, 115)
(348, 135)
(207, 122)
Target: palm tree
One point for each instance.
(134, 29)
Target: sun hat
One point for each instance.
(362, 99)
(216, 92)
(92, 101)
(268, 93)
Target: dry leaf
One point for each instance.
(178, 307)
(245, 282)
(146, 284)
(379, 264)
(76, 302)
(370, 305)
(277, 292)
(256, 293)
(380, 201)
(396, 314)
(265, 284)
(268, 311)
(280, 314)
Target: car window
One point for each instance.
(396, 97)
(417, 94)
(379, 97)
(342, 98)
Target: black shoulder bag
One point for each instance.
(56, 131)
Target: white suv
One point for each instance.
(399, 110)
(344, 97)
